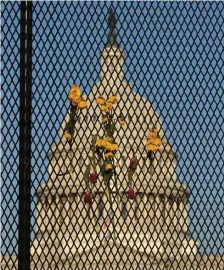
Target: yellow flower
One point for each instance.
(75, 88)
(105, 120)
(74, 92)
(99, 143)
(151, 135)
(122, 122)
(155, 130)
(109, 166)
(157, 141)
(109, 105)
(75, 101)
(82, 104)
(114, 147)
(109, 155)
(108, 139)
(152, 147)
(100, 101)
(112, 99)
(106, 145)
(153, 144)
(103, 108)
(68, 136)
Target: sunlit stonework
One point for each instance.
(152, 229)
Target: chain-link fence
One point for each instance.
(127, 173)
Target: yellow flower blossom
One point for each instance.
(75, 88)
(103, 108)
(114, 147)
(109, 167)
(122, 122)
(151, 135)
(101, 101)
(105, 120)
(108, 139)
(155, 130)
(109, 105)
(152, 147)
(106, 144)
(157, 141)
(153, 141)
(75, 101)
(82, 104)
(99, 143)
(74, 92)
(68, 136)
(112, 99)
(109, 155)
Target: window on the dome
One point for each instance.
(101, 208)
(124, 210)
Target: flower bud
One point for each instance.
(87, 198)
(93, 177)
(132, 163)
(131, 194)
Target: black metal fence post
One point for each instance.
(25, 135)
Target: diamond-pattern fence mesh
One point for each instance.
(135, 179)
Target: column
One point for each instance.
(162, 210)
(168, 213)
(178, 215)
(175, 214)
(131, 212)
(67, 210)
(57, 213)
(39, 215)
(158, 213)
(76, 217)
(49, 213)
(185, 215)
(95, 212)
(53, 209)
(181, 219)
(151, 212)
(63, 212)
(143, 211)
(73, 208)
(46, 219)
(123, 212)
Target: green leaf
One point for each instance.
(86, 175)
(129, 175)
(94, 138)
(107, 176)
(108, 193)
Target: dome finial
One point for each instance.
(111, 20)
(111, 23)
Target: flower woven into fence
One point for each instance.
(153, 143)
(76, 103)
(106, 148)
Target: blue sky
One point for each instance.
(174, 57)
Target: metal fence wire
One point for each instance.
(112, 135)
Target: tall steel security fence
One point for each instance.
(112, 135)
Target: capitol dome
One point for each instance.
(152, 227)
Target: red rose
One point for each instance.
(93, 177)
(131, 194)
(132, 163)
(87, 198)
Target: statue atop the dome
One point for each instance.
(112, 33)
